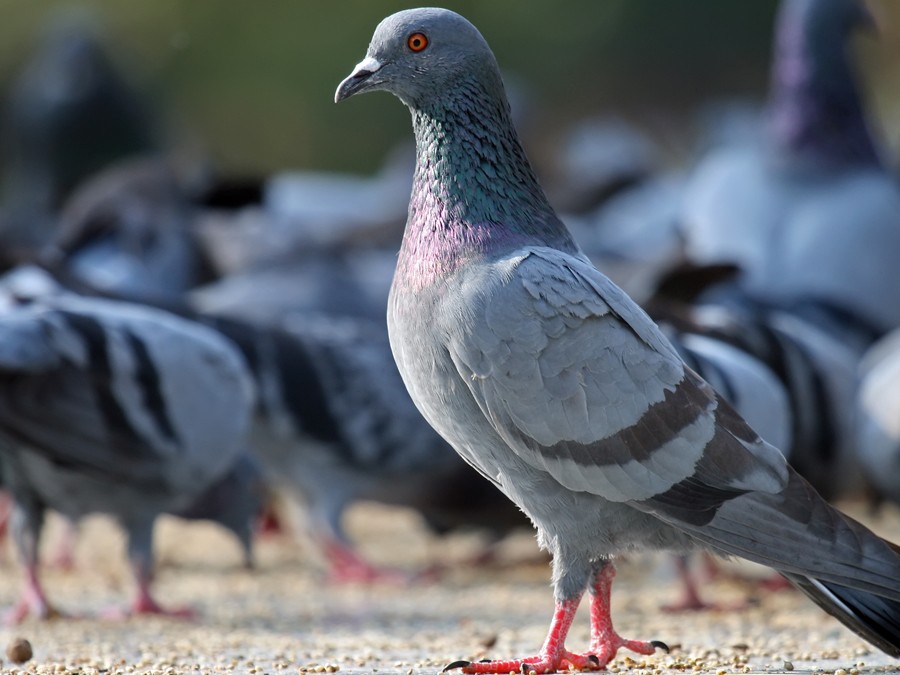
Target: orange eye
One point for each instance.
(417, 42)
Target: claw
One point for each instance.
(456, 664)
(593, 659)
(660, 645)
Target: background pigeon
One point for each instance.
(334, 425)
(119, 409)
(878, 416)
(558, 388)
(810, 215)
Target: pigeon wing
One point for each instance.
(581, 384)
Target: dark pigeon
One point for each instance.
(560, 390)
(71, 111)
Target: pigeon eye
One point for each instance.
(417, 42)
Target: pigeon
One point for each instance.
(329, 208)
(878, 417)
(334, 425)
(598, 158)
(814, 391)
(322, 281)
(560, 390)
(126, 231)
(71, 111)
(120, 409)
(800, 210)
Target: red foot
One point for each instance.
(145, 605)
(605, 651)
(690, 600)
(605, 641)
(688, 604)
(269, 524)
(776, 583)
(553, 657)
(29, 606)
(542, 663)
(346, 566)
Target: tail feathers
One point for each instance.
(872, 617)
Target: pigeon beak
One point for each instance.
(358, 80)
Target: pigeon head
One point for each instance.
(815, 103)
(417, 54)
(474, 193)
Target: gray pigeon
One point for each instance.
(334, 425)
(127, 231)
(70, 112)
(878, 416)
(802, 210)
(557, 387)
(119, 409)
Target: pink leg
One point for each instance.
(269, 524)
(33, 602)
(776, 584)
(144, 603)
(690, 599)
(553, 655)
(64, 552)
(605, 642)
(347, 566)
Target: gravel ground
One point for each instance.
(282, 618)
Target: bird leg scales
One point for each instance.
(605, 642)
(553, 655)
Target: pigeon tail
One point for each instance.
(872, 617)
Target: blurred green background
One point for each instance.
(253, 82)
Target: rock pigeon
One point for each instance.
(127, 231)
(815, 373)
(558, 388)
(71, 111)
(799, 211)
(322, 281)
(597, 158)
(119, 409)
(878, 416)
(334, 426)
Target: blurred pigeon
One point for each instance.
(113, 408)
(235, 501)
(323, 281)
(335, 425)
(558, 388)
(70, 113)
(329, 208)
(127, 231)
(634, 236)
(799, 212)
(878, 416)
(598, 158)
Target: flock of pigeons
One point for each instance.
(173, 343)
